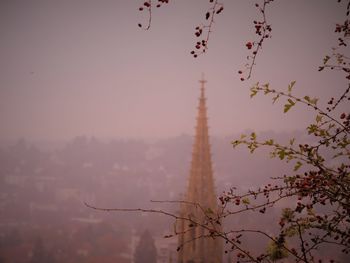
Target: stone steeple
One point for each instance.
(194, 246)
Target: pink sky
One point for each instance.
(83, 67)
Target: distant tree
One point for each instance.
(13, 238)
(40, 253)
(146, 251)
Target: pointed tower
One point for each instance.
(194, 246)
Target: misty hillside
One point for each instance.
(123, 172)
(43, 191)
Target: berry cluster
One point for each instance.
(147, 5)
(204, 30)
(263, 31)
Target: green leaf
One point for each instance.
(290, 86)
(291, 231)
(311, 101)
(314, 101)
(269, 142)
(267, 91)
(235, 143)
(291, 101)
(253, 136)
(246, 201)
(210, 211)
(326, 58)
(254, 90)
(252, 147)
(319, 118)
(287, 214)
(287, 106)
(276, 251)
(274, 99)
(266, 86)
(297, 166)
(281, 154)
(323, 133)
(312, 128)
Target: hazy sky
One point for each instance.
(83, 67)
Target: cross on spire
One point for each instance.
(202, 81)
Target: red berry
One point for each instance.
(249, 45)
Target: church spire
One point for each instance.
(201, 185)
(201, 191)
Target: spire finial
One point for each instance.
(202, 82)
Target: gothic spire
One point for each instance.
(201, 183)
(200, 191)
